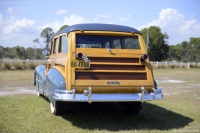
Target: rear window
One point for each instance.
(113, 42)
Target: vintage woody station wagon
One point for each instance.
(97, 63)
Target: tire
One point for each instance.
(36, 83)
(38, 94)
(155, 84)
(56, 107)
(132, 107)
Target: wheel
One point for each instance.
(132, 107)
(56, 107)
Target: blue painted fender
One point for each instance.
(39, 78)
(54, 82)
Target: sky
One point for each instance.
(21, 21)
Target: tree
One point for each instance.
(36, 40)
(1, 52)
(175, 52)
(9, 52)
(186, 51)
(47, 34)
(19, 52)
(158, 47)
(194, 49)
(30, 53)
(63, 27)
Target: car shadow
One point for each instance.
(111, 117)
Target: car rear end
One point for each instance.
(107, 66)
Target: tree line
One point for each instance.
(160, 50)
(186, 51)
(20, 53)
(158, 47)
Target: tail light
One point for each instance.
(144, 57)
(79, 56)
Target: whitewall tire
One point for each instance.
(52, 106)
(38, 94)
(57, 107)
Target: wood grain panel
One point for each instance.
(116, 67)
(110, 76)
(114, 60)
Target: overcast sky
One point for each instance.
(21, 21)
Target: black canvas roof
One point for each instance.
(98, 27)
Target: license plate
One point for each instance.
(80, 64)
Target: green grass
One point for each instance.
(16, 78)
(179, 111)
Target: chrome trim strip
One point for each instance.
(71, 96)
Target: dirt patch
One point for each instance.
(168, 80)
(173, 87)
(6, 91)
(196, 85)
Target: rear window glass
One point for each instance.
(100, 41)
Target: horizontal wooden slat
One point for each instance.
(109, 76)
(111, 63)
(114, 60)
(116, 67)
(109, 71)
(123, 83)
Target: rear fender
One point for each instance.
(55, 81)
(39, 78)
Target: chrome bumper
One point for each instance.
(87, 96)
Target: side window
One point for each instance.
(52, 46)
(56, 45)
(117, 44)
(107, 45)
(64, 44)
(132, 43)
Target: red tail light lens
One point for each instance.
(79, 56)
(144, 57)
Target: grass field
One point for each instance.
(179, 111)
